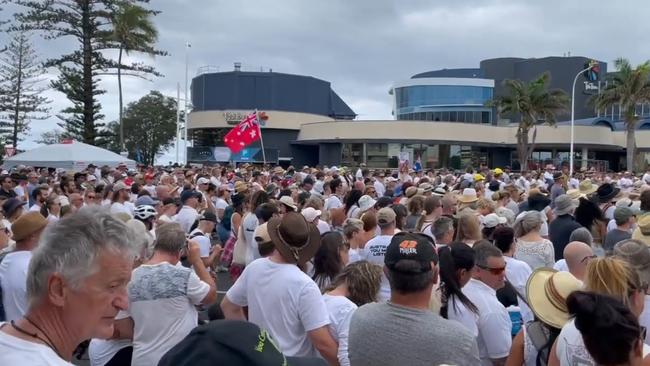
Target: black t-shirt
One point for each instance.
(7, 195)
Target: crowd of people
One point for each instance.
(330, 266)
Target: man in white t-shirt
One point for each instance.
(220, 201)
(77, 281)
(38, 195)
(333, 201)
(280, 297)
(14, 266)
(576, 257)
(188, 214)
(163, 296)
(201, 235)
(493, 322)
(120, 198)
(378, 183)
(375, 248)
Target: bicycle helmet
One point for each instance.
(144, 212)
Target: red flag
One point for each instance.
(244, 134)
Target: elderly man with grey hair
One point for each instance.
(162, 287)
(76, 284)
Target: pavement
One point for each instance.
(223, 284)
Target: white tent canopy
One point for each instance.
(74, 156)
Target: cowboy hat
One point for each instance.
(547, 291)
(296, 239)
(468, 196)
(607, 192)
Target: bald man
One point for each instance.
(576, 257)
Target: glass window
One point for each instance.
(429, 116)
(418, 95)
(453, 116)
(485, 117)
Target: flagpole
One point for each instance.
(257, 117)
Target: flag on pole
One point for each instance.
(244, 134)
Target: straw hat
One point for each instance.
(642, 231)
(586, 187)
(468, 196)
(288, 201)
(547, 291)
(575, 194)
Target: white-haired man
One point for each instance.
(76, 284)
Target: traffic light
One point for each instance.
(593, 70)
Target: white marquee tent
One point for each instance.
(74, 156)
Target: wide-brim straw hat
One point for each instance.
(586, 187)
(547, 291)
(469, 195)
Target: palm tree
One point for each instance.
(627, 88)
(133, 30)
(533, 104)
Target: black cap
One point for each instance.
(410, 246)
(231, 342)
(169, 201)
(208, 216)
(187, 194)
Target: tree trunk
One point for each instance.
(630, 146)
(88, 97)
(18, 92)
(522, 148)
(119, 86)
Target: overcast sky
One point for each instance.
(363, 46)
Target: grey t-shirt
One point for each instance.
(614, 237)
(389, 334)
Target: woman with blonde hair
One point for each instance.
(357, 285)
(606, 276)
(469, 229)
(485, 207)
(532, 248)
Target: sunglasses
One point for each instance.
(494, 271)
(588, 258)
(91, 197)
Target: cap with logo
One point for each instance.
(231, 342)
(412, 247)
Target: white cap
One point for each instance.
(203, 180)
(492, 220)
(310, 214)
(91, 178)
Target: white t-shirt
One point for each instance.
(457, 311)
(186, 217)
(161, 303)
(494, 325)
(561, 266)
(17, 351)
(374, 252)
(570, 348)
(517, 273)
(203, 241)
(151, 189)
(117, 207)
(249, 224)
(13, 277)
(284, 301)
(101, 351)
(379, 188)
(332, 202)
(340, 310)
(644, 318)
(323, 227)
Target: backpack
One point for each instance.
(537, 334)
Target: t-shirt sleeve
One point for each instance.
(204, 245)
(343, 334)
(311, 308)
(196, 289)
(496, 331)
(237, 292)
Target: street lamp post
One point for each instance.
(573, 108)
(187, 47)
